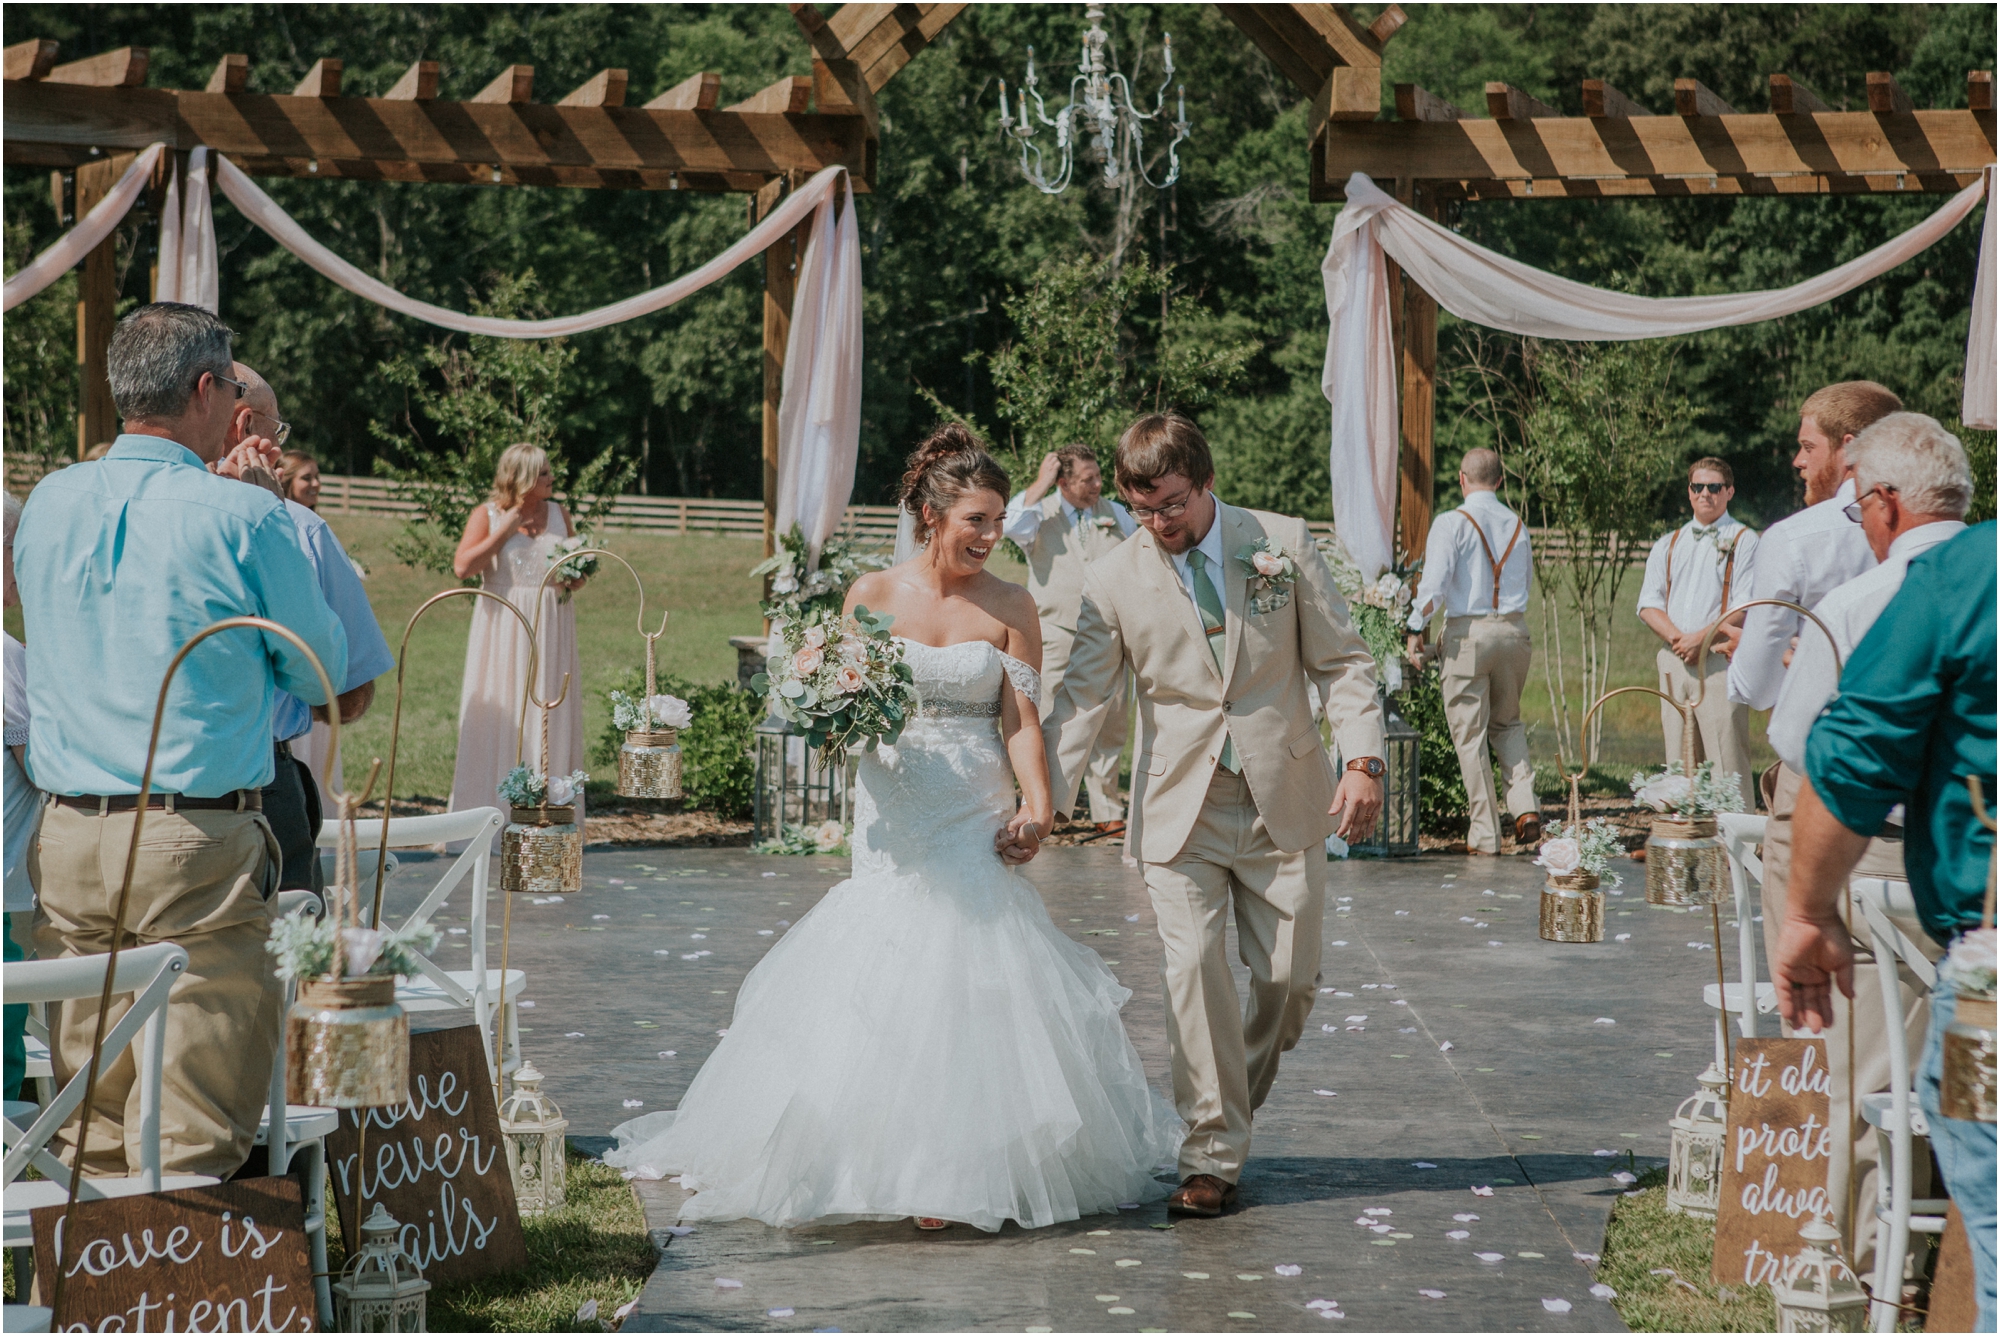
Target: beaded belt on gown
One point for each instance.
(960, 709)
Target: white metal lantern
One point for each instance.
(1821, 1293)
(381, 1287)
(532, 1127)
(1694, 1159)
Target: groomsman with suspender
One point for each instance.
(1476, 568)
(1692, 576)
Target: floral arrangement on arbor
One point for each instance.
(568, 568)
(1670, 789)
(828, 837)
(1380, 607)
(648, 714)
(525, 787)
(798, 594)
(303, 946)
(1586, 847)
(841, 682)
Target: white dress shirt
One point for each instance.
(1848, 612)
(1684, 574)
(1022, 519)
(1458, 577)
(1802, 559)
(1210, 546)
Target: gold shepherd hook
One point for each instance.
(535, 631)
(396, 721)
(131, 862)
(507, 901)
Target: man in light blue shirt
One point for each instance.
(120, 563)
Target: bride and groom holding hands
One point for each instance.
(925, 1043)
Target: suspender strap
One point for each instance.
(1668, 597)
(1728, 566)
(1496, 565)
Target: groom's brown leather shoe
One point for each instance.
(1202, 1194)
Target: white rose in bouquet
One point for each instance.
(561, 791)
(1561, 857)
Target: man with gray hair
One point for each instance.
(120, 564)
(1912, 486)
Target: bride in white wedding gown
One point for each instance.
(925, 1042)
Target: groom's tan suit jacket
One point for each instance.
(1136, 612)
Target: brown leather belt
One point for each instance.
(243, 800)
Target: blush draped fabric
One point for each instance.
(68, 250)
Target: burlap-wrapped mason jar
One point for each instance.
(1966, 1089)
(649, 765)
(347, 1044)
(541, 852)
(1685, 862)
(1572, 908)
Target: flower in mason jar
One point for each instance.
(1662, 793)
(815, 636)
(847, 679)
(363, 946)
(1562, 857)
(1268, 564)
(807, 661)
(828, 836)
(669, 711)
(561, 790)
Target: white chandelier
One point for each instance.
(1100, 106)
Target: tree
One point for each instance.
(40, 364)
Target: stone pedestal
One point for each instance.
(749, 657)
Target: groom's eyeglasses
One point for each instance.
(1173, 510)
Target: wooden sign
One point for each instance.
(1954, 1301)
(1774, 1158)
(436, 1162)
(229, 1257)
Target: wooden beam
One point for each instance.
(781, 262)
(825, 43)
(385, 139)
(788, 97)
(606, 88)
(840, 89)
(1886, 96)
(1504, 102)
(1601, 99)
(697, 92)
(1420, 104)
(896, 41)
(1349, 94)
(1691, 98)
(1979, 90)
(123, 68)
(1789, 97)
(32, 59)
(322, 80)
(515, 84)
(96, 310)
(1416, 465)
(1387, 23)
(1664, 155)
(1300, 53)
(231, 74)
(418, 84)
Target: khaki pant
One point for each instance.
(1225, 1056)
(1100, 775)
(1861, 1026)
(1722, 727)
(1485, 664)
(200, 882)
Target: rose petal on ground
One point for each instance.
(1377, 1210)
(1663, 1271)
(1338, 993)
(764, 932)
(1622, 937)
(1603, 1291)
(1128, 1261)
(574, 1034)
(1422, 1164)
(1336, 943)
(1556, 1305)
(1531, 1256)
(1490, 1258)
(1458, 1234)
(1445, 1047)
(625, 1310)
(1326, 1093)
(1465, 1217)
(1604, 1152)
(524, 1002)
(1356, 1020)
(1195, 1275)
(1381, 1229)
(1399, 1002)
(1083, 1252)
(1322, 1303)
(1493, 943)
(1128, 1206)
(1286, 1269)
(1248, 1275)
(1482, 1192)
(1131, 918)
(587, 1311)
(635, 1103)
(722, 1284)
(1622, 1177)
(1604, 1020)
(1588, 1259)
(1432, 1294)
(666, 1053)
(1107, 1298)
(1330, 1029)
(1247, 1317)
(1120, 1310)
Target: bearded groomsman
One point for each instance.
(1693, 575)
(1063, 522)
(1476, 568)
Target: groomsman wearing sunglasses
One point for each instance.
(1693, 575)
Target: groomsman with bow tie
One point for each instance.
(1693, 575)
(1062, 522)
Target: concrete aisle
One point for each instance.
(1451, 1050)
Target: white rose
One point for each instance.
(1268, 564)
(1562, 857)
(561, 790)
(670, 711)
(828, 836)
(1663, 793)
(784, 582)
(815, 636)
(364, 948)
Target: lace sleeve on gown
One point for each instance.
(1025, 679)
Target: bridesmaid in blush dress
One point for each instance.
(507, 544)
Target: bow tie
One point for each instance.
(1706, 531)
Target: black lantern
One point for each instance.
(795, 785)
(1395, 834)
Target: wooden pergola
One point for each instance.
(87, 118)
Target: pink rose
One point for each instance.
(1268, 564)
(848, 679)
(807, 661)
(815, 637)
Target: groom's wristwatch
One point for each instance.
(1370, 766)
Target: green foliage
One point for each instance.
(476, 399)
(1441, 797)
(40, 363)
(718, 765)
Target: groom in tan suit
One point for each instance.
(1232, 792)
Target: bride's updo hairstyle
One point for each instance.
(947, 464)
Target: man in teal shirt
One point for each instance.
(1913, 719)
(120, 563)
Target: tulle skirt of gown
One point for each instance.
(924, 1042)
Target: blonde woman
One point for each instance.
(507, 544)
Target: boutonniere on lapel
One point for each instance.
(1272, 574)
(1105, 523)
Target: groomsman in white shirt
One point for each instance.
(1062, 522)
(1476, 568)
(1693, 575)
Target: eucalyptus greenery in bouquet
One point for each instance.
(841, 682)
(1588, 846)
(303, 945)
(798, 594)
(648, 714)
(828, 837)
(1670, 790)
(570, 569)
(524, 787)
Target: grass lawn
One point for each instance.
(1659, 1264)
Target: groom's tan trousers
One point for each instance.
(1226, 1054)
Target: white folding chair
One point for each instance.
(301, 1131)
(478, 989)
(148, 974)
(1741, 833)
(1894, 1113)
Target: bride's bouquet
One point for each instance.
(842, 682)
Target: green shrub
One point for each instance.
(718, 763)
(1599, 781)
(1441, 789)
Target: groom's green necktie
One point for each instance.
(1209, 603)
